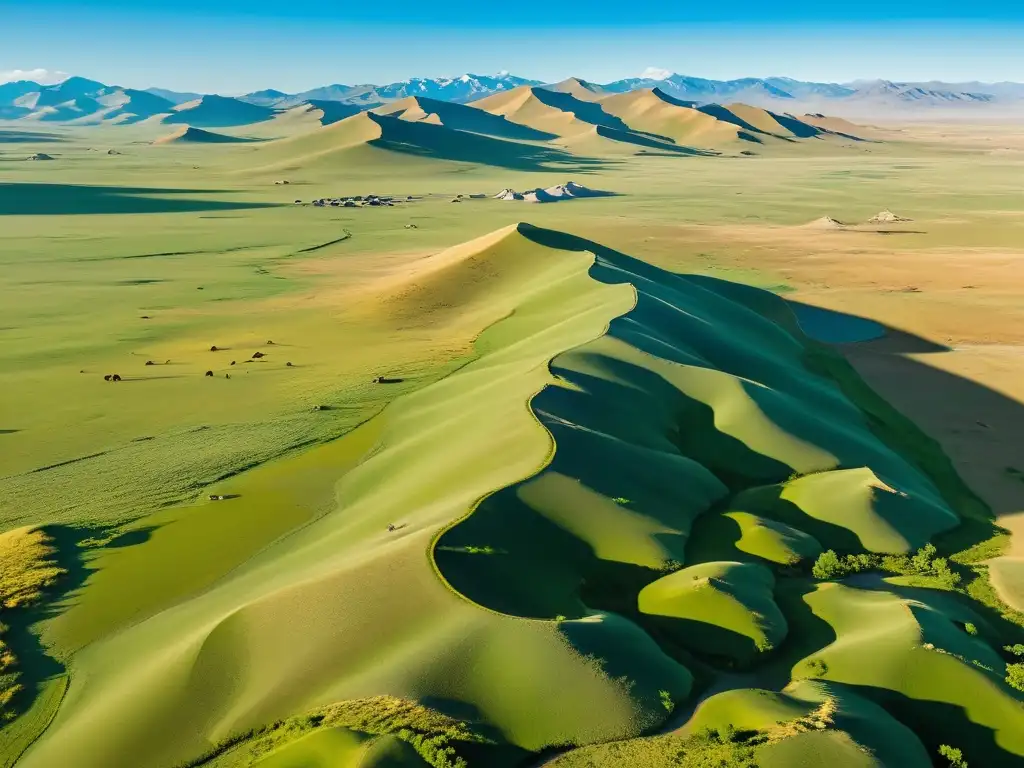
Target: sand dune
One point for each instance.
(368, 138)
(460, 117)
(188, 134)
(580, 89)
(656, 112)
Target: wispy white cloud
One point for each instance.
(38, 75)
(655, 73)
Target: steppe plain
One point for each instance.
(578, 528)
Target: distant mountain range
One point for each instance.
(83, 101)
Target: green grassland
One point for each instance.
(579, 530)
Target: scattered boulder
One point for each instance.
(144, 317)
(40, 156)
(150, 362)
(232, 362)
(387, 380)
(349, 204)
(270, 343)
(257, 355)
(508, 194)
(456, 199)
(209, 373)
(288, 365)
(320, 408)
(217, 497)
(113, 152)
(107, 377)
(282, 181)
(411, 226)
(227, 375)
(298, 202)
(214, 348)
(886, 217)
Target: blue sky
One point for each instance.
(236, 46)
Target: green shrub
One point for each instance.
(666, 701)
(1017, 649)
(827, 566)
(1015, 676)
(970, 629)
(954, 755)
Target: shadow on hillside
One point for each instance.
(442, 143)
(35, 664)
(587, 111)
(18, 199)
(649, 140)
(798, 128)
(929, 394)
(28, 137)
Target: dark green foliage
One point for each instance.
(923, 563)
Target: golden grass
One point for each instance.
(27, 568)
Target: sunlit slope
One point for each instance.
(656, 112)
(343, 608)
(725, 609)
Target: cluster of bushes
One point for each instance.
(924, 562)
(1015, 671)
(433, 735)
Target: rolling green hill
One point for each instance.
(595, 537)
